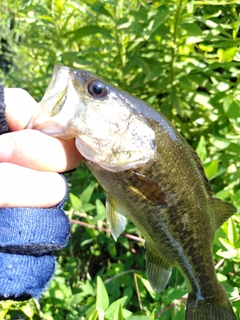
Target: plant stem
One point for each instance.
(175, 45)
(119, 44)
(84, 224)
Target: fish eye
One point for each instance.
(98, 89)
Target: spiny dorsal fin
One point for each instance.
(201, 170)
(115, 217)
(223, 211)
(148, 189)
(158, 270)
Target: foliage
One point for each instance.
(183, 58)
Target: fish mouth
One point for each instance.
(51, 126)
(57, 106)
(55, 94)
(54, 129)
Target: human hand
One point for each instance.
(30, 160)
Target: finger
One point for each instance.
(23, 187)
(35, 150)
(20, 107)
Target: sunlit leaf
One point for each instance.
(28, 309)
(140, 317)
(149, 288)
(75, 201)
(233, 235)
(211, 169)
(118, 314)
(116, 305)
(227, 244)
(85, 31)
(228, 254)
(227, 54)
(201, 149)
(102, 301)
(87, 193)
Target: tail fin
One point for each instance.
(212, 308)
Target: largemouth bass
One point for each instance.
(150, 174)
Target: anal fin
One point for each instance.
(115, 217)
(223, 211)
(158, 270)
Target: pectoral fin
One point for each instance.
(148, 189)
(158, 270)
(115, 217)
(223, 211)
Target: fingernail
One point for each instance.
(6, 147)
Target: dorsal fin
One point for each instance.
(223, 211)
(201, 170)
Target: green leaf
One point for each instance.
(112, 249)
(176, 101)
(192, 29)
(232, 109)
(118, 315)
(154, 24)
(194, 33)
(94, 316)
(227, 54)
(59, 5)
(223, 194)
(4, 308)
(219, 142)
(150, 290)
(232, 231)
(211, 169)
(28, 310)
(116, 304)
(201, 149)
(87, 193)
(138, 317)
(88, 31)
(227, 244)
(47, 18)
(75, 202)
(86, 290)
(102, 300)
(204, 47)
(100, 208)
(180, 315)
(88, 207)
(173, 294)
(228, 254)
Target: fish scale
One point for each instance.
(150, 174)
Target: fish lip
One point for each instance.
(56, 130)
(52, 118)
(60, 79)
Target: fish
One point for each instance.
(150, 174)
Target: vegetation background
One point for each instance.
(183, 58)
